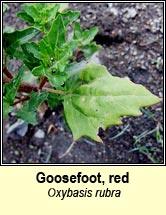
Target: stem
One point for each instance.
(22, 100)
(54, 91)
(7, 73)
(24, 87)
(42, 83)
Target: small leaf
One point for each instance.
(39, 71)
(90, 49)
(101, 100)
(69, 17)
(24, 16)
(12, 87)
(52, 10)
(28, 111)
(77, 31)
(32, 11)
(11, 41)
(88, 35)
(31, 54)
(6, 107)
(84, 37)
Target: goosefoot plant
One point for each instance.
(91, 96)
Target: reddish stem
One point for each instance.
(24, 87)
(25, 98)
(7, 73)
(42, 83)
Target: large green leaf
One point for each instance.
(101, 100)
(28, 111)
(11, 41)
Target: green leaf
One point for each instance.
(5, 7)
(12, 87)
(24, 16)
(28, 111)
(84, 37)
(32, 11)
(57, 34)
(88, 35)
(46, 52)
(39, 71)
(6, 107)
(39, 14)
(56, 80)
(51, 11)
(69, 17)
(30, 55)
(54, 70)
(54, 100)
(90, 49)
(11, 41)
(101, 100)
(77, 31)
(73, 70)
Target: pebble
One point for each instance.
(112, 9)
(130, 13)
(39, 134)
(22, 130)
(16, 153)
(14, 127)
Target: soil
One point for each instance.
(131, 35)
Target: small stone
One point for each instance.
(39, 134)
(13, 161)
(46, 143)
(22, 130)
(16, 153)
(15, 126)
(131, 13)
(31, 146)
(114, 11)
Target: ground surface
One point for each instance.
(132, 38)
